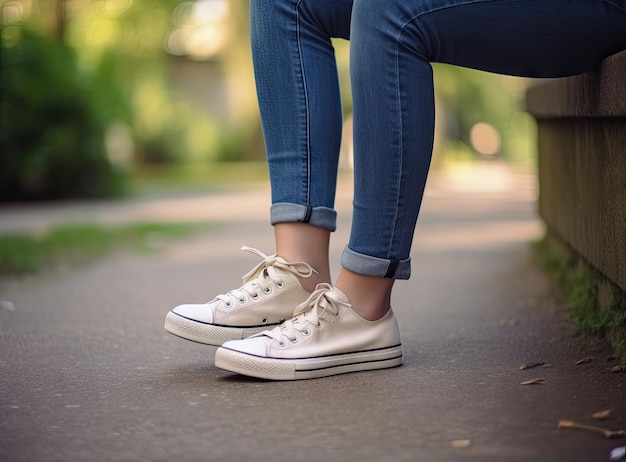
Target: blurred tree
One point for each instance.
(466, 97)
(173, 79)
(188, 106)
(52, 134)
(59, 20)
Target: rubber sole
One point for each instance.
(307, 368)
(208, 334)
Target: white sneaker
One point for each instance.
(270, 292)
(325, 337)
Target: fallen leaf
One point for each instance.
(604, 431)
(618, 369)
(532, 382)
(461, 444)
(529, 365)
(602, 415)
(588, 359)
(618, 453)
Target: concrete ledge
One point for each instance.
(600, 93)
(582, 163)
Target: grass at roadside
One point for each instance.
(22, 253)
(201, 177)
(597, 307)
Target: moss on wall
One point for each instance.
(596, 305)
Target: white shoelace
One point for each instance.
(322, 304)
(261, 277)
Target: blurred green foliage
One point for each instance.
(466, 97)
(103, 90)
(90, 96)
(176, 116)
(53, 122)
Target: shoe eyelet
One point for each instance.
(228, 304)
(254, 296)
(306, 331)
(242, 300)
(281, 284)
(267, 290)
(264, 321)
(294, 340)
(281, 343)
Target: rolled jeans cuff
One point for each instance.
(322, 217)
(374, 266)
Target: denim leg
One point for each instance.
(392, 43)
(300, 104)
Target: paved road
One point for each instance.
(87, 372)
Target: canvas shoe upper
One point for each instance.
(268, 296)
(325, 337)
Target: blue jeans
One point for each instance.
(393, 43)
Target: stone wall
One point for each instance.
(582, 163)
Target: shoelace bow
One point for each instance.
(322, 304)
(263, 274)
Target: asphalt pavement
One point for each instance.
(87, 372)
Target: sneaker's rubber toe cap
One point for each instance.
(201, 313)
(254, 346)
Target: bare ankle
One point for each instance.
(369, 296)
(307, 243)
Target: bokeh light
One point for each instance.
(199, 29)
(485, 139)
